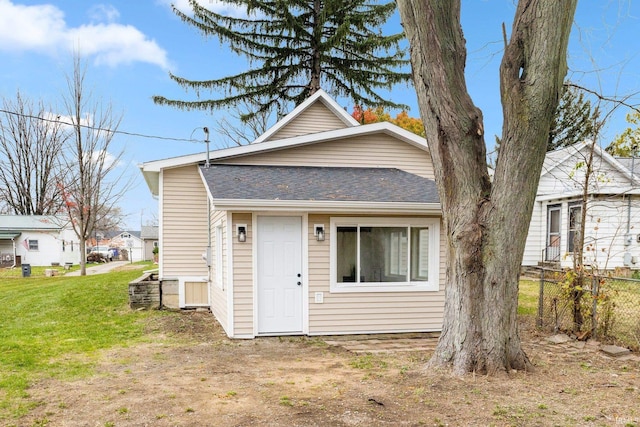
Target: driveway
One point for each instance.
(100, 268)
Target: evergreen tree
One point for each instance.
(574, 120)
(297, 47)
(627, 144)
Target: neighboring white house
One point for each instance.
(37, 240)
(131, 241)
(321, 226)
(612, 225)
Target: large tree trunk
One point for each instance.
(486, 223)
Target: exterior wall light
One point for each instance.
(241, 230)
(318, 231)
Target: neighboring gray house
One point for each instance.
(321, 226)
(149, 236)
(38, 240)
(612, 227)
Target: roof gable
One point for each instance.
(562, 175)
(319, 103)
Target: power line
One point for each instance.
(120, 132)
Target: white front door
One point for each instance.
(279, 274)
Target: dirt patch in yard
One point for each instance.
(190, 374)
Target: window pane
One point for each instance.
(419, 254)
(346, 253)
(33, 245)
(575, 218)
(383, 254)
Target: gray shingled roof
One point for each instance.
(239, 182)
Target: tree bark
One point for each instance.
(486, 223)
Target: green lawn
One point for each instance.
(528, 297)
(54, 326)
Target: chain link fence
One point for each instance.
(603, 308)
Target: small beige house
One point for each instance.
(321, 226)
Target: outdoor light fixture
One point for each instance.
(241, 230)
(318, 231)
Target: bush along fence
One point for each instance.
(591, 306)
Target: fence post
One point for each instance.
(541, 298)
(594, 310)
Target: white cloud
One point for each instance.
(212, 5)
(43, 29)
(104, 13)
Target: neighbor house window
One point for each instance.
(63, 245)
(383, 254)
(575, 218)
(33, 245)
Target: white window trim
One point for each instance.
(432, 285)
(219, 236)
(37, 245)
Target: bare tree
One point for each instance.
(30, 149)
(91, 189)
(486, 222)
(252, 126)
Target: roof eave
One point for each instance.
(328, 206)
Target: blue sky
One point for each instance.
(130, 47)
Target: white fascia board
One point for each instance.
(328, 206)
(318, 96)
(619, 191)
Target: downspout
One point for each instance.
(15, 253)
(628, 260)
(633, 158)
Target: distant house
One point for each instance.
(149, 236)
(321, 226)
(37, 240)
(129, 241)
(612, 227)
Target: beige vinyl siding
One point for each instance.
(196, 294)
(316, 118)
(379, 150)
(343, 313)
(242, 277)
(219, 293)
(184, 219)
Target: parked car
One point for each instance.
(100, 253)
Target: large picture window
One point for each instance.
(383, 254)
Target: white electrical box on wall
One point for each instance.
(319, 297)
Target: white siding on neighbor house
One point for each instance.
(49, 248)
(536, 240)
(605, 230)
(184, 222)
(375, 312)
(218, 291)
(242, 277)
(374, 151)
(316, 118)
